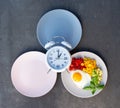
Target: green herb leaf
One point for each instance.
(94, 83)
(94, 73)
(99, 87)
(95, 80)
(93, 91)
(87, 88)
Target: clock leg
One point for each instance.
(67, 70)
(48, 71)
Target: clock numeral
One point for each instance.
(51, 54)
(51, 62)
(65, 62)
(50, 58)
(65, 58)
(58, 66)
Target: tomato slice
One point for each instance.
(77, 63)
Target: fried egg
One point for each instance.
(80, 78)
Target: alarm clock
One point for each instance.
(58, 58)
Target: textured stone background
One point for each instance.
(101, 34)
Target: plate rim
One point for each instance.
(59, 9)
(18, 57)
(93, 58)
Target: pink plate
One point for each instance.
(29, 75)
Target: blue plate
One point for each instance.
(59, 22)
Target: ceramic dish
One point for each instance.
(29, 75)
(72, 88)
(59, 23)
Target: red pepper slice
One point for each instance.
(76, 64)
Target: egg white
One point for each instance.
(85, 81)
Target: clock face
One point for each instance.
(58, 58)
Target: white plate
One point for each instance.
(29, 75)
(72, 88)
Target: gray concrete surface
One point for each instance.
(101, 34)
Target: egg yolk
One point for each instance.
(77, 77)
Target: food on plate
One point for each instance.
(89, 64)
(77, 63)
(86, 74)
(80, 78)
(86, 64)
(95, 83)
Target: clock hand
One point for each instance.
(59, 55)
